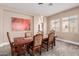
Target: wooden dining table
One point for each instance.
(28, 40)
(22, 40)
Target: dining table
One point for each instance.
(22, 40)
(28, 40)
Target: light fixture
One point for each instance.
(49, 4)
(40, 3)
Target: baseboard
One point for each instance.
(67, 41)
(4, 44)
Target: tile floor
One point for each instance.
(61, 49)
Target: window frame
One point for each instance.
(56, 28)
(68, 19)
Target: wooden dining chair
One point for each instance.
(18, 50)
(36, 44)
(12, 45)
(49, 41)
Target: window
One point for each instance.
(52, 25)
(73, 24)
(55, 25)
(70, 24)
(65, 25)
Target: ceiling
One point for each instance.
(43, 10)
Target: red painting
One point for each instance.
(20, 24)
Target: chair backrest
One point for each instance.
(25, 35)
(51, 37)
(37, 40)
(9, 38)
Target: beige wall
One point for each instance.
(70, 12)
(1, 27)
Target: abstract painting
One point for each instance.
(20, 24)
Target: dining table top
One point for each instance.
(23, 40)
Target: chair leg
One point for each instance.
(54, 42)
(33, 53)
(23, 53)
(18, 54)
(12, 53)
(40, 51)
(28, 51)
(52, 45)
(47, 47)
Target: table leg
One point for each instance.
(54, 41)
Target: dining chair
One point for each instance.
(49, 41)
(12, 45)
(36, 44)
(18, 50)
